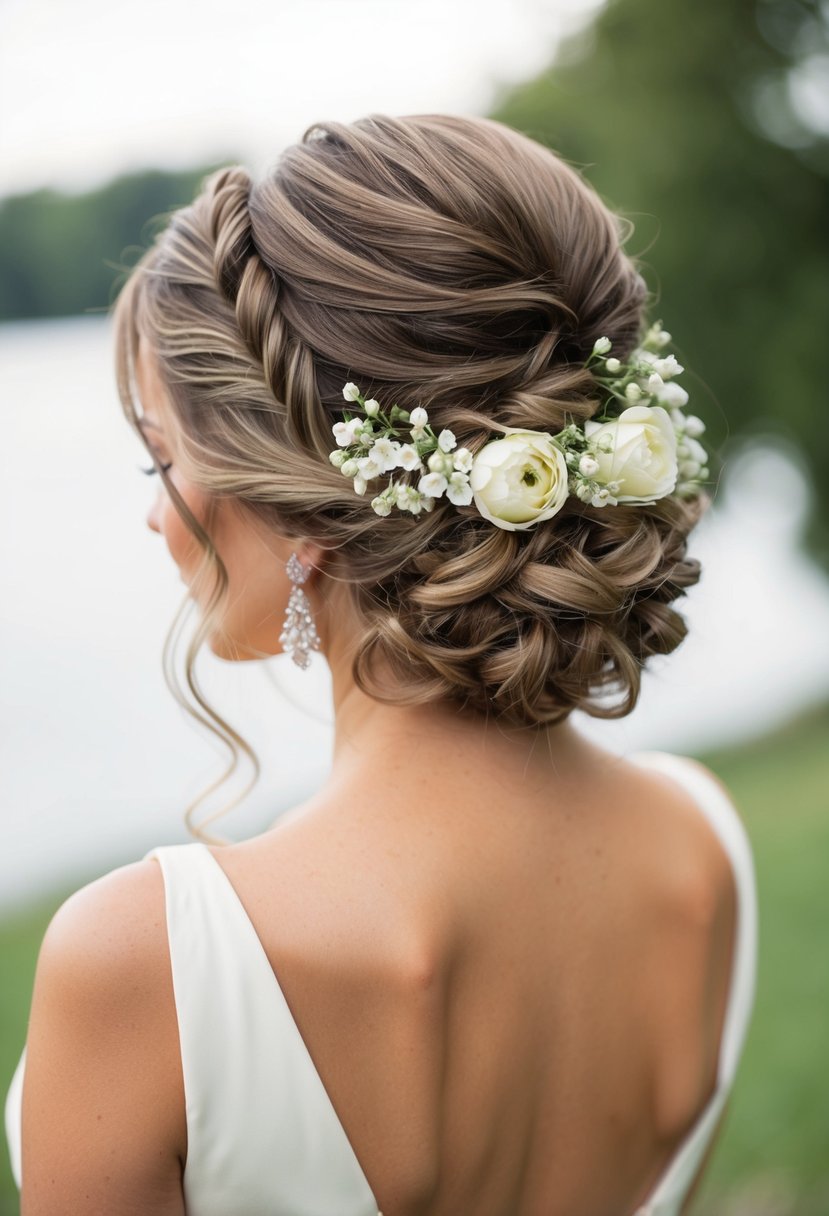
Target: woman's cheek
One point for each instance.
(183, 546)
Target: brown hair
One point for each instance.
(435, 260)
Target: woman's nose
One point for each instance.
(152, 516)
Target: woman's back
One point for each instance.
(500, 1008)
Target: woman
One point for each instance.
(406, 411)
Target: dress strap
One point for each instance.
(668, 1195)
(262, 1133)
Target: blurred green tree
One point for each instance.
(59, 252)
(708, 126)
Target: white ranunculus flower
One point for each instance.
(643, 460)
(519, 480)
(351, 392)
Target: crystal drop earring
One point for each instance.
(299, 633)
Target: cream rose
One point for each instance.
(519, 480)
(643, 460)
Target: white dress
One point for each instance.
(262, 1133)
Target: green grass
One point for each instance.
(772, 1158)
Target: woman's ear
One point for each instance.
(312, 556)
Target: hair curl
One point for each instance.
(443, 261)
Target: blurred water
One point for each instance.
(98, 760)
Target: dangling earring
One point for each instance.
(299, 633)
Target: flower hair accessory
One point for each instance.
(640, 448)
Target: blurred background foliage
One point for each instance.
(707, 126)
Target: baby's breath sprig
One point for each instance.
(641, 447)
(367, 448)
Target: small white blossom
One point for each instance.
(433, 484)
(583, 491)
(588, 465)
(418, 417)
(372, 408)
(688, 468)
(407, 457)
(407, 498)
(337, 457)
(360, 484)
(695, 449)
(633, 392)
(613, 366)
(605, 443)
(381, 505)
(366, 436)
(385, 452)
(673, 395)
(351, 392)
(602, 498)
(342, 434)
(440, 462)
(462, 460)
(446, 441)
(349, 468)
(369, 468)
(655, 384)
(694, 426)
(459, 491)
(668, 367)
(601, 346)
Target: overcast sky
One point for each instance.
(89, 88)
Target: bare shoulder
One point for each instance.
(103, 1071)
(112, 926)
(700, 868)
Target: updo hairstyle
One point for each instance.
(435, 260)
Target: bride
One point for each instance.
(406, 411)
